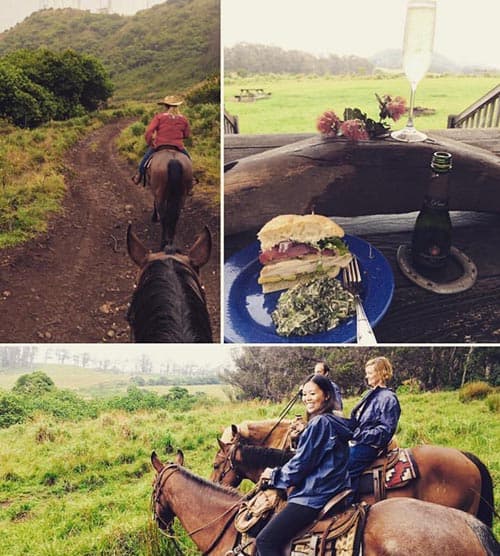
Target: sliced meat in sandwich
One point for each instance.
(296, 248)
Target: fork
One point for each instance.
(351, 277)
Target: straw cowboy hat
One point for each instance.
(171, 101)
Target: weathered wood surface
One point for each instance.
(341, 178)
(420, 316)
(415, 315)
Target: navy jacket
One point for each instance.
(318, 470)
(339, 406)
(375, 418)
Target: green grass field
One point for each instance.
(83, 488)
(95, 383)
(297, 101)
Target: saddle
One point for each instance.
(336, 532)
(393, 469)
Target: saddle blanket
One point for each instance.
(404, 470)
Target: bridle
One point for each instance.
(159, 483)
(229, 463)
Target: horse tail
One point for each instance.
(485, 536)
(486, 507)
(174, 176)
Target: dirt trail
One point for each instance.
(73, 283)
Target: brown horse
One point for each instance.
(447, 476)
(168, 304)
(170, 175)
(393, 527)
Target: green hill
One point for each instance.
(164, 49)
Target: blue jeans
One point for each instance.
(148, 153)
(360, 457)
(283, 527)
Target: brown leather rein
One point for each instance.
(160, 483)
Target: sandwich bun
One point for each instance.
(307, 228)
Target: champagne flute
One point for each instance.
(417, 56)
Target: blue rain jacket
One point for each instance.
(375, 418)
(318, 470)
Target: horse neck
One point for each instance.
(203, 508)
(179, 315)
(268, 433)
(250, 461)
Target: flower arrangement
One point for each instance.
(357, 125)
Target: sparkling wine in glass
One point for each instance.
(417, 56)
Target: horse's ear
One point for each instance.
(157, 464)
(201, 249)
(136, 250)
(179, 458)
(234, 430)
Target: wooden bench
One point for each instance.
(483, 113)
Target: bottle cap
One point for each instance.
(441, 162)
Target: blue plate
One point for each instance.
(248, 310)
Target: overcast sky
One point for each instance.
(200, 355)
(466, 31)
(14, 11)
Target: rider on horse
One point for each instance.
(168, 128)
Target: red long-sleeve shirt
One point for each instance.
(167, 129)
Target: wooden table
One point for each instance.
(415, 315)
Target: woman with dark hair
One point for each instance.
(374, 418)
(317, 471)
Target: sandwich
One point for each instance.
(296, 248)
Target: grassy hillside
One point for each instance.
(297, 101)
(83, 488)
(166, 48)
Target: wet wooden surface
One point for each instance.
(417, 315)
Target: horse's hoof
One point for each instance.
(136, 178)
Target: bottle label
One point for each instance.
(437, 204)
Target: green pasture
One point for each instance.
(297, 101)
(83, 488)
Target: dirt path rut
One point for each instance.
(73, 283)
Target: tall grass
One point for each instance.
(81, 488)
(296, 101)
(32, 181)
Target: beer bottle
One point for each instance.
(431, 241)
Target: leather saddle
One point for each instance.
(336, 532)
(391, 469)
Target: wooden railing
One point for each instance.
(230, 123)
(483, 113)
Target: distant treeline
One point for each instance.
(37, 86)
(256, 58)
(275, 373)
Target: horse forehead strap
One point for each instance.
(163, 477)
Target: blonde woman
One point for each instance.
(374, 419)
(168, 128)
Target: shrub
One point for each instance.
(493, 402)
(474, 391)
(410, 386)
(34, 384)
(11, 410)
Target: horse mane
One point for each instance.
(209, 485)
(165, 306)
(255, 456)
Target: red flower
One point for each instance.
(354, 130)
(328, 123)
(395, 107)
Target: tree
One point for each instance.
(34, 384)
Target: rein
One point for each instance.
(281, 416)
